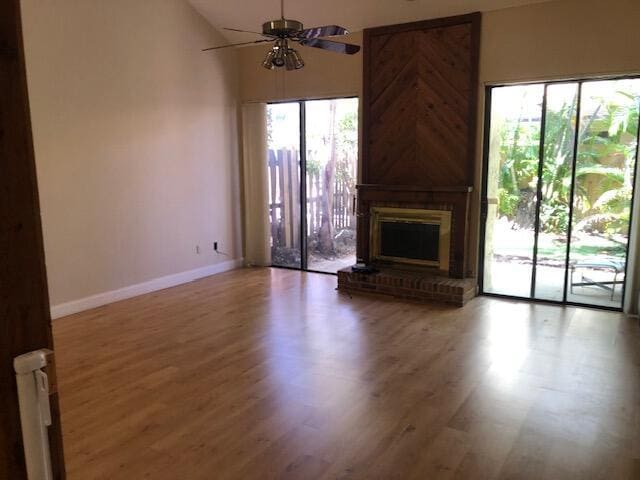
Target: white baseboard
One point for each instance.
(93, 301)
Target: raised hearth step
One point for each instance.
(408, 284)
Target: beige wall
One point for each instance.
(560, 39)
(135, 140)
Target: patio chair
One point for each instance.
(616, 267)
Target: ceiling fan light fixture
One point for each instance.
(284, 32)
(280, 53)
(293, 60)
(268, 60)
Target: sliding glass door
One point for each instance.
(560, 166)
(312, 221)
(556, 171)
(283, 138)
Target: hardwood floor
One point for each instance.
(265, 373)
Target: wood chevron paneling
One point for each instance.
(420, 102)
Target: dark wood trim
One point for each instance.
(366, 108)
(476, 28)
(25, 322)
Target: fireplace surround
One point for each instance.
(409, 280)
(449, 205)
(419, 111)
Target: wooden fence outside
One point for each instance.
(284, 200)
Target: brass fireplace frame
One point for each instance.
(442, 218)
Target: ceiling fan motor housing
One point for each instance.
(282, 28)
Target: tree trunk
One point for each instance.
(526, 211)
(325, 234)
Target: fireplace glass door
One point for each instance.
(312, 175)
(411, 236)
(559, 182)
(413, 241)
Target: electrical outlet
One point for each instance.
(198, 249)
(215, 246)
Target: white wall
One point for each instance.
(135, 140)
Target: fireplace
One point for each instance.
(419, 213)
(411, 236)
(418, 161)
(415, 237)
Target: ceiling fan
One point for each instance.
(283, 32)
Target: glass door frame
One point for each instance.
(302, 105)
(484, 204)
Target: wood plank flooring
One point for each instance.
(266, 373)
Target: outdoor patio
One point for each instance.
(508, 270)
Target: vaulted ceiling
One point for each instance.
(352, 14)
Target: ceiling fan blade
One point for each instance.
(330, 45)
(236, 45)
(246, 31)
(325, 31)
